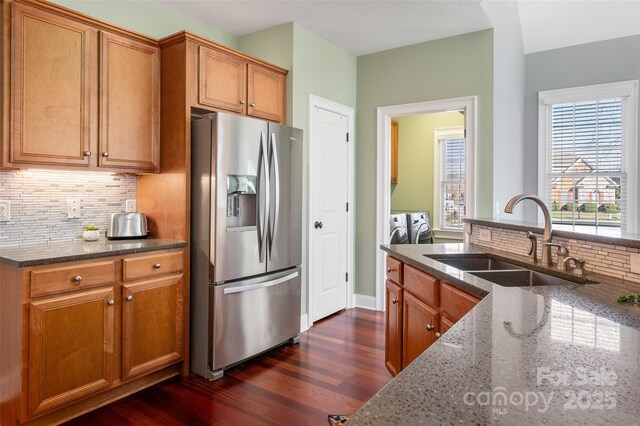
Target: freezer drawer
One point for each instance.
(254, 315)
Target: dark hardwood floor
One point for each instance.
(336, 367)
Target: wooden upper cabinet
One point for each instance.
(152, 325)
(54, 83)
(231, 82)
(129, 104)
(394, 151)
(70, 348)
(265, 93)
(221, 80)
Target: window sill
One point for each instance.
(449, 234)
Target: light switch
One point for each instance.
(485, 235)
(130, 205)
(5, 210)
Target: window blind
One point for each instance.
(452, 183)
(585, 168)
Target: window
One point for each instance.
(588, 155)
(450, 178)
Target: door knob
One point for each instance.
(429, 327)
(105, 154)
(394, 301)
(317, 225)
(129, 298)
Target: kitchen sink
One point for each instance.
(522, 278)
(473, 263)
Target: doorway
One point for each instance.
(331, 168)
(385, 116)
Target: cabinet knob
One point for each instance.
(111, 302)
(87, 153)
(437, 335)
(389, 270)
(157, 266)
(242, 102)
(105, 154)
(253, 105)
(429, 327)
(78, 278)
(394, 301)
(129, 298)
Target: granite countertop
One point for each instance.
(43, 254)
(535, 355)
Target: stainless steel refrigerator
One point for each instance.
(246, 239)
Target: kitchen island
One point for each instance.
(523, 355)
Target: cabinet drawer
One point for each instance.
(151, 266)
(456, 303)
(394, 270)
(422, 285)
(70, 278)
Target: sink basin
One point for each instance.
(522, 278)
(474, 263)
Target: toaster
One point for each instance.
(127, 225)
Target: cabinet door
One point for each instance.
(265, 92)
(456, 303)
(152, 325)
(420, 324)
(129, 104)
(445, 325)
(53, 81)
(222, 81)
(394, 151)
(70, 348)
(393, 332)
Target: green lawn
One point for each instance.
(602, 217)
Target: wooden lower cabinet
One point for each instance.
(70, 348)
(393, 329)
(419, 309)
(77, 335)
(419, 327)
(151, 331)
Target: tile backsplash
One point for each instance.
(603, 259)
(39, 203)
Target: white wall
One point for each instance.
(508, 104)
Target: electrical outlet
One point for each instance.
(635, 263)
(130, 206)
(485, 235)
(5, 210)
(73, 209)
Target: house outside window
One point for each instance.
(588, 157)
(450, 178)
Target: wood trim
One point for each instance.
(188, 36)
(11, 338)
(89, 20)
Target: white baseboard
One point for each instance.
(304, 322)
(365, 302)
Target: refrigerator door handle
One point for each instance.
(273, 159)
(243, 288)
(262, 220)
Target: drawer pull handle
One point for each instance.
(157, 266)
(437, 335)
(389, 270)
(87, 153)
(77, 278)
(105, 154)
(394, 301)
(111, 302)
(242, 102)
(253, 105)
(129, 298)
(429, 327)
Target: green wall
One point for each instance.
(147, 17)
(316, 67)
(441, 69)
(414, 190)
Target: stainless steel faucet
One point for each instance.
(546, 249)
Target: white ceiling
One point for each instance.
(367, 26)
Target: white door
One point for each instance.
(329, 196)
